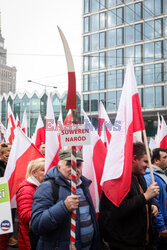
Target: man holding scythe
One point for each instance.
(70, 220)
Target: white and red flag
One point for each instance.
(116, 178)
(17, 121)
(24, 122)
(68, 119)
(22, 152)
(158, 135)
(104, 125)
(51, 142)
(163, 134)
(94, 158)
(39, 132)
(11, 125)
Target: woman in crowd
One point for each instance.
(24, 197)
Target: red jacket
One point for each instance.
(24, 200)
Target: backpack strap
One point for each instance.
(55, 188)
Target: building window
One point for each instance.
(102, 98)
(129, 13)
(129, 34)
(149, 97)
(118, 93)
(138, 54)
(138, 74)
(165, 49)
(119, 57)
(111, 18)
(120, 17)
(148, 8)
(120, 77)
(120, 36)
(111, 38)
(94, 78)
(86, 6)
(158, 72)
(102, 80)
(148, 30)
(111, 3)
(85, 82)
(111, 101)
(102, 4)
(165, 25)
(138, 32)
(85, 63)
(165, 95)
(94, 101)
(103, 20)
(148, 74)
(86, 103)
(148, 52)
(102, 60)
(129, 53)
(95, 5)
(111, 58)
(111, 79)
(158, 7)
(94, 61)
(102, 40)
(138, 11)
(86, 24)
(86, 43)
(165, 7)
(140, 91)
(158, 28)
(158, 50)
(95, 42)
(158, 96)
(95, 22)
(165, 71)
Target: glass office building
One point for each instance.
(113, 32)
(34, 104)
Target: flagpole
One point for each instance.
(73, 186)
(148, 154)
(71, 104)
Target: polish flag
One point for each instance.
(94, 158)
(11, 125)
(104, 125)
(59, 127)
(17, 121)
(52, 142)
(24, 122)
(158, 135)
(116, 178)
(2, 132)
(68, 119)
(152, 144)
(39, 132)
(163, 134)
(22, 152)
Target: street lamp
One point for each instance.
(48, 86)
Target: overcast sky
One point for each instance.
(34, 45)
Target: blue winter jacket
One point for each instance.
(52, 221)
(159, 222)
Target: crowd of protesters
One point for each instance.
(45, 204)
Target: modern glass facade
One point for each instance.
(113, 32)
(34, 105)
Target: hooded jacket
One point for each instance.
(52, 221)
(24, 200)
(160, 222)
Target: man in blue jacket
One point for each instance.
(159, 161)
(53, 221)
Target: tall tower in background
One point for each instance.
(7, 74)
